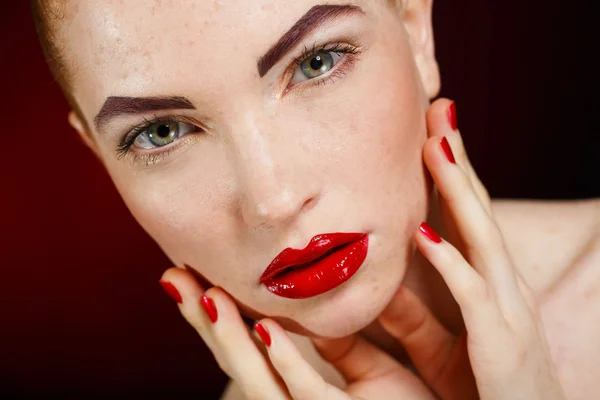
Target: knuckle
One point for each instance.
(475, 294)
(225, 338)
(491, 234)
(194, 318)
(457, 189)
(284, 365)
(224, 366)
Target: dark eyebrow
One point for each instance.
(115, 106)
(313, 19)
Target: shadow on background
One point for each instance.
(81, 312)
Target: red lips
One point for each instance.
(325, 263)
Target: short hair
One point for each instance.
(46, 15)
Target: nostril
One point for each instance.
(277, 210)
(309, 203)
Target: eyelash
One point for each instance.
(342, 48)
(129, 139)
(124, 147)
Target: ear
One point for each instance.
(417, 21)
(77, 124)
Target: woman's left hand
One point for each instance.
(507, 348)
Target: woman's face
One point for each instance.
(241, 151)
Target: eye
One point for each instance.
(162, 133)
(315, 65)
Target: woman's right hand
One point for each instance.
(281, 372)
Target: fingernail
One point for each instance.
(211, 309)
(452, 116)
(171, 291)
(263, 333)
(430, 233)
(448, 150)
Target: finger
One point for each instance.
(300, 378)
(426, 341)
(468, 288)
(480, 234)
(186, 290)
(362, 363)
(355, 358)
(252, 371)
(217, 320)
(442, 122)
(441, 359)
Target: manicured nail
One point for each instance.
(211, 309)
(452, 116)
(171, 291)
(263, 333)
(448, 150)
(430, 233)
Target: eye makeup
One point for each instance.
(346, 55)
(170, 122)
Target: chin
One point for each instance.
(350, 307)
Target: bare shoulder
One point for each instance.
(549, 240)
(556, 246)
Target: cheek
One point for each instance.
(372, 128)
(185, 210)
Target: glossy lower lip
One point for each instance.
(322, 275)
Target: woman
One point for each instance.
(293, 172)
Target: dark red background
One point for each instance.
(81, 312)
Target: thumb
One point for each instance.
(440, 358)
(355, 358)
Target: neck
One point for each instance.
(423, 280)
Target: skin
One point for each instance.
(271, 165)
(274, 168)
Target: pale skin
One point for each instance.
(270, 167)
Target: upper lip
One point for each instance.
(318, 246)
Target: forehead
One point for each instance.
(118, 47)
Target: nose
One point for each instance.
(274, 177)
(274, 207)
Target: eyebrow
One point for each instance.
(311, 21)
(116, 106)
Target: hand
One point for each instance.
(281, 372)
(506, 344)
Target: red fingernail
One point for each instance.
(171, 291)
(430, 233)
(452, 116)
(448, 150)
(211, 309)
(263, 333)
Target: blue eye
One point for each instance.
(315, 65)
(162, 133)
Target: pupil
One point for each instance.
(163, 131)
(316, 63)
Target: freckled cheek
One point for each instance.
(380, 130)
